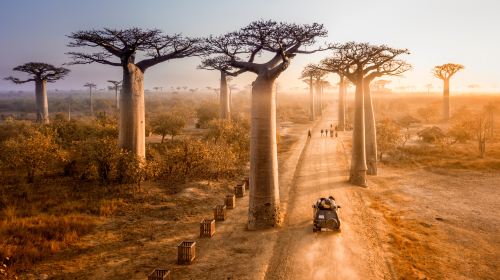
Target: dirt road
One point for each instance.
(354, 253)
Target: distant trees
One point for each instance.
(41, 74)
(116, 86)
(124, 45)
(445, 72)
(282, 41)
(91, 86)
(313, 75)
(168, 123)
(221, 64)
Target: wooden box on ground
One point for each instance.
(220, 212)
(247, 183)
(207, 228)
(239, 190)
(230, 201)
(186, 252)
(159, 274)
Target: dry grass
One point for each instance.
(27, 240)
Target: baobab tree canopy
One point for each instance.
(284, 40)
(354, 60)
(446, 71)
(39, 72)
(125, 44)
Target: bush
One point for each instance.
(207, 112)
(33, 152)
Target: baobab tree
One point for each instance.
(445, 72)
(91, 86)
(361, 63)
(41, 74)
(116, 87)
(308, 78)
(282, 42)
(221, 64)
(313, 76)
(124, 45)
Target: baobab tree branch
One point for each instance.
(83, 58)
(18, 81)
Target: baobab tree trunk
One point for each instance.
(358, 160)
(370, 131)
(225, 109)
(341, 110)
(42, 105)
(91, 103)
(263, 209)
(117, 99)
(312, 101)
(446, 100)
(320, 98)
(132, 134)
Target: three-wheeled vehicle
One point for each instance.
(325, 214)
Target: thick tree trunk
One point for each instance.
(117, 99)
(320, 98)
(341, 101)
(446, 100)
(263, 209)
(358, 160)
(370, 131)
(312, 101)
(132, 134)
(225, 109)
(91, 103)
(42, 105)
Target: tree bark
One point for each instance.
(446, 100)
(341, 101)
(117, 99)
(312, 101)
(263, 209)
(132, 134)
(320, 98)
(91, 103)
(42, 105)
(358, 160)
(225, 109)
(370, 131)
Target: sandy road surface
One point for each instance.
(354, 253)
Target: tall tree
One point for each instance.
(221, 64)
(361, 63)
(41, 74)
(91, 86)
(116, 87)
(445, 72)
(308, 76)
(124, 45)
(282, 42)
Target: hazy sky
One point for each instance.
(435, 31)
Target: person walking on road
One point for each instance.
(322, 133)
(326, 132)
(331, 133)
(309, 133)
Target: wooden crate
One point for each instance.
(207, 228)
(220, 212)
(186, 252)
(159, 274)
(239, 190)
(247, 183)
(230, 201)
